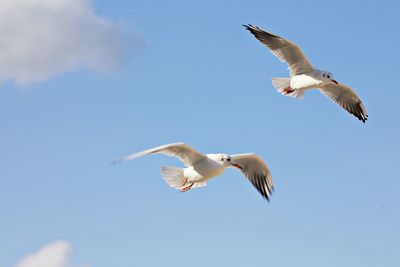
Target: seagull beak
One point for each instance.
(334, 81)
(237, 166)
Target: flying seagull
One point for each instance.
(304, 76)
(200, 168)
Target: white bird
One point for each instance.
(200, 168)
(304, 76)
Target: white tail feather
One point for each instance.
(173, 176)
(281, 84)
(299, 94)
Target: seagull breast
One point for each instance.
(305, 81)
(203, 170)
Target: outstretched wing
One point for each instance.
(182, 151)
(285, 50)
(257, 171)
(346, 98)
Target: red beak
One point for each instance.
(237, 166)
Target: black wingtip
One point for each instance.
(267, 196)
(363, 118)
(248, 27)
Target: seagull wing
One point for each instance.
(182, 151)
(285, 50)
(346, 98)
(257, 171)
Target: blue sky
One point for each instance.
(194, 74)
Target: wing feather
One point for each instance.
(346, 98)
(257, 171)
(283, 49)
(182, 151)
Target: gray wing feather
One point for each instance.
(182, 151)
(257, 171)
(346, 98)
(285, 50)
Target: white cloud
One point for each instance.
(55, 254)
(42, 38)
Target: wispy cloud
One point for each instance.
(42, 38)
(55, 254)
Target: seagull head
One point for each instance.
(328, 77)
(227, 161)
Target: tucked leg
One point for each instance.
(185, 181)
(288, 90)
(187, 188)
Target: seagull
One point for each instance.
(304, 76)
(200, 168)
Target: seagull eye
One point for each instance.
(228, 159)
(329, 77)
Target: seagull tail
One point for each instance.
(173, 176)
(282, 85)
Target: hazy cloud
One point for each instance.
(43, 38)
(55, 254)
